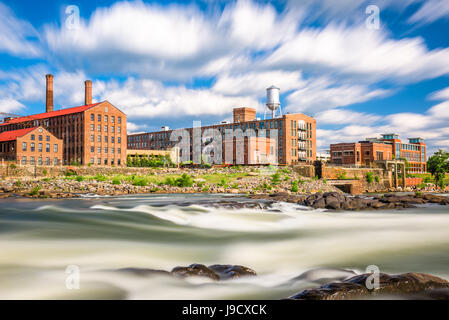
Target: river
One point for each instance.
(39, 239)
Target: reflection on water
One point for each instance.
(39, 239)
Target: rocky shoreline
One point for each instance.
(350, 287)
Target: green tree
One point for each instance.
(438, 165)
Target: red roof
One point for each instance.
(50, 114)
(13, 135)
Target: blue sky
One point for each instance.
(170, 63)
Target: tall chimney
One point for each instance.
(49, 93)
(87, 92)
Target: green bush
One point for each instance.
(377, 178)
(69, 173)
(100, 177)
(140, 182)
(116, 181)
(184, 181)
(79, 178)
(18, 183)
(421, 186)
(276, 178)
(44, 172)
(13, 166)
(325, 181)
(342, 176)
(35, 191)
(369, 176)
(294, 186)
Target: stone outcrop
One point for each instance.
(407, 285)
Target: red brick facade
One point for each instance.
(296, 135)
(31, 146)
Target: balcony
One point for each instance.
(301, 135)
(302, 146)
(301, 125)
(302, 156)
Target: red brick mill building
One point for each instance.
(389, 147)
(94, 133)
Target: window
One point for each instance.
(24, 160)
(92, 160)
(40, 137)
(118, 161)
(112, 129)
(92, 117)
(118, 150)
(91, 138)
(99, 128)
(99, 161)
(112, 119)
(112, 150)
(24, 146)
(98, 149)
(47, 161)
(32, 161)
(106, 119)
(98, 138)
(55, 148)
(32, 137)
(106, 109)
(92, 149)
(32, 146)
(105, 149)
(105, 161)
(105, 128)
(119, 120)
(112, 139)
(99, 118)
(91, 127)
(106, 139)
(40, 147)
(47, 147)
(39, 161)
(118, 129)
(55, 161)
(112, 162)
(47, 138)
(118, 139)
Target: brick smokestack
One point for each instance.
(87, 92)
(49, 93)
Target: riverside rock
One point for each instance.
(214, 272)
(407, 285)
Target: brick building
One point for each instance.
(388, 147)
(33, 146)
(92, 133)
(295, 141)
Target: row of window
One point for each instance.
(106, 139)
(106, 150)
(33, 137)
(105, 161)
(106, 118)
(105, 128)
(32, 147)
(40, 162)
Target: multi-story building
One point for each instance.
(388, 147)
(93, 133)
(33, 146)
(294, 134)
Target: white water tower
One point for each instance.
(273, 99)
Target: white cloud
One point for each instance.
(430, 11)
(17, 37)
(145, 98)
(10, 105)
(442, 94)
(323, 94)
(359, 51)
(339, 116)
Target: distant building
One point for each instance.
(93, 133)
(388, 147)
(33, 146)
(323, 156)
(296, 138)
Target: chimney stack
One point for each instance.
(49, 93)
(87, 92)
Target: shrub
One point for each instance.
(205, 189)
(35, 191)
(369, 177)
(235, 186)
(341, 175)
(276, 178)
(418, 193)
(79, 178)
(18, 183)
(13, 166)
(421, 186)
(169, 181)
(184, 181)
(70, 172)
(325, 181)
(140, 182)
(294, 186)
(116, 181)
(222, 183)
(377, 178)
(44, 172)
(100, 177)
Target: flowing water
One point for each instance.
(39, 239)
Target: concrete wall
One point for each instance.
(305, 170)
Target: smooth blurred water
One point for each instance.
(40, 238)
